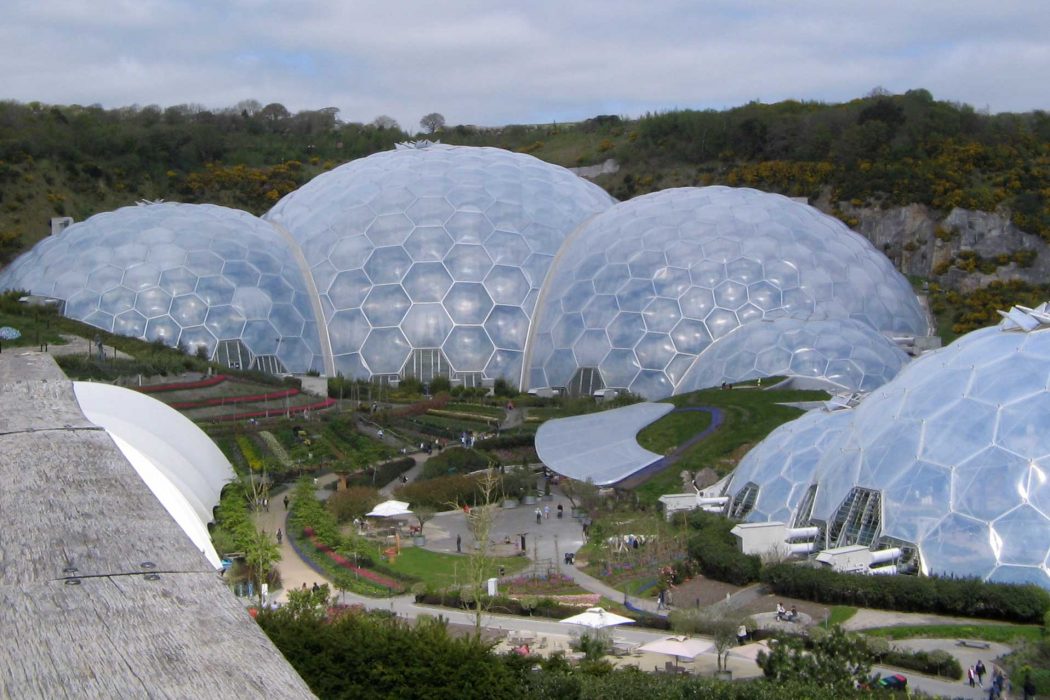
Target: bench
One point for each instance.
(973, 644)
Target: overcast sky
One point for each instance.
(532, 61)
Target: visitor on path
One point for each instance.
(459, 543)
(741, 635)
(781, 612)
(561, 511)
(546, 512)
(971, 676)
(380, 433)
(266, 504)
(286, 501)
(280, 536)
(1029, 688)
(539, 515)
(660, 599)
(980, 670)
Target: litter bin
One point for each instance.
(570, 558)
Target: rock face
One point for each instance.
(923, 241)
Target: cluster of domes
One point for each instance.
(950, 460)
(480, 264)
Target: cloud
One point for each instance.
(492, 63)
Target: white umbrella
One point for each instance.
(390, 509)
(597, 618)
(685, 647)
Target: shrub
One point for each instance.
(713, 547)
(440, 493)
(505, 442)
(384, 473)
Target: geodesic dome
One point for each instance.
(195, 275)
(950, 460)
(642, 290)
(429, 260)
(772, 479)
(844, 354)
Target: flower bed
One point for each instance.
(345, 563)
(579, 600)
(221, 401)
(177, 386)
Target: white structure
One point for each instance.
(599, 447)
(774, 538)
(858, 559)
(179, 463)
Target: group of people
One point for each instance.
(786, 616)
(999, 682)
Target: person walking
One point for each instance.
(286, 501)
(539, 515)
(980, 670)
(459, 543)
(279, 536)
(971, 676)
(546, 512)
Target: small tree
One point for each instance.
(836, 660)
(432, 122)
(479, 522)
(423, 515)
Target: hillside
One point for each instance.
(952, 195)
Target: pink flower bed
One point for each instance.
(345, 563)
(221, 401)
(316, 406)
(176, 386)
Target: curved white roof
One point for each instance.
(599, 447)
(179, 463)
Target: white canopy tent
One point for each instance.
(390, 509)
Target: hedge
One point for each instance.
(714, 549)
(384, 474)
(454, 460)
(930, 594)
(505, 442)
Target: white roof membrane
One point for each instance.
(599, 447)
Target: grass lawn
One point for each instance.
(749, 415)
(443, 570)
(672, 430)
(989, 633)
(840, 613)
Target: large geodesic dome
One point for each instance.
(645, 290)
(842, 354)
(428, 260)
(195, 275)
(950, 460)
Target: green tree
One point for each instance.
(835, 660)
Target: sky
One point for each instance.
(492, 63)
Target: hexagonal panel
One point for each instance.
(426, 325)
(427, 281)
(386, 305)
(506, 285)
(387, 265)
(385, 350)
(468, 263)
(468, 348)
(508, 327)
(468, 302)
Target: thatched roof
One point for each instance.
(101, 592)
